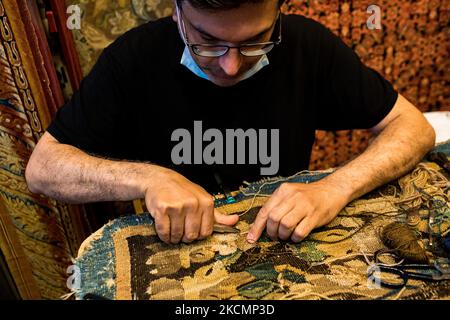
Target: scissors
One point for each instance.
(400, 274)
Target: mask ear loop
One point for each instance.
(181, 31)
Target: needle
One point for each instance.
(221, 228)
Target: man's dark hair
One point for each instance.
(221, 4)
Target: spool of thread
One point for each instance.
(400, 238)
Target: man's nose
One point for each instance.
(231, 62)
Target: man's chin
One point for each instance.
(224, 82)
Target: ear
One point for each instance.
(174, 11)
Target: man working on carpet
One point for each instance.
(229, 64)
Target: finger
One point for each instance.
(275, 217)
(261, 219)
(302, 230)
(177, 218)
(162, 227)
(192, 224)
(207, 223)
(275, 200)
(289, 222)
(229, 220)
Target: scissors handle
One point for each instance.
(404, 272)
(376, 274)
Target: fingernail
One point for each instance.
(250, 238)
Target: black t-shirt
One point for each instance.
(138, 93)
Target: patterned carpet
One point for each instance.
(126, 260)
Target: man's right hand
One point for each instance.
(183, 211)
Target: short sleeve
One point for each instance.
(89, 119)
(351, 95)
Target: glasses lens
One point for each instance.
(209, 51)
(256, 50)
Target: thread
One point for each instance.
(265, 182)
(399, 293)
(403, 241)
(420, 185)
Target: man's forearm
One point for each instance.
(394, 152)
(70, 175)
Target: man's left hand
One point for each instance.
(295, 209)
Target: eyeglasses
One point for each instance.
(215, 51)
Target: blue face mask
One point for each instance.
(189, 63)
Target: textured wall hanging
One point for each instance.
(37, 235)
